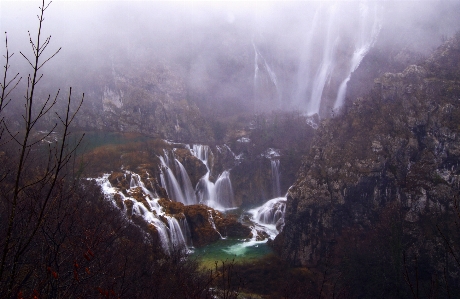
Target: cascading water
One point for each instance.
(178, 187)
(184, 180)
(303, 75)
(186, 231)
(175, 235)
(173, 230)
(275, 163)
(224, 190)
(217, 195)
(259, 59)
(170, 183)
(213, 224)
(271, 213)
(326, 66)
(328, 48)
(268, 221)
(365, 42)
(268, 218)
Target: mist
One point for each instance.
(229, 57)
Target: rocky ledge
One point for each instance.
(206, 224)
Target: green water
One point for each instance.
(240, 251)
(92, 140)
(231, 249)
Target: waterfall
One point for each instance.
(188, 191)
(326, 66)
(275, 163)
(323, 49)
(303, 75)
(256, 65)
(186, 231)
(201, 152)
(217, 195)
(170, 183)
(205, 190)
(213, 224)
(136, 181)
(270, 216)
(258, 58)
(224, 190)
(175, 235)
(179, 187)
(365, 41)
(271, 212)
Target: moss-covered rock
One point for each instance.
(206, 224)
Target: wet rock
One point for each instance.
(206, 224)
(119, 180)
(194, 166)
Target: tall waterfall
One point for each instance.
(275, 163)
(326, 47)
(365, 40)
(265, 79)
(327, 64)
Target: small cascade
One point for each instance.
(187, 188)
(270, 216)
(213, 224)
(170, 183)
(186, 231)
(201, 152)
(133, 182)
(256, 64)
(205, 191)
(272, 211)
(174, 234)
(268, 221)
(275, 163)
(175, 179)
(224, 190)
(217, 195)
(177, 183)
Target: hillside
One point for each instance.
(381, 182)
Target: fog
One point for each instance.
(256, 56)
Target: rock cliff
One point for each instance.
(148, 99)
(398, 144)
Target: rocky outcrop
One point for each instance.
(206, 224)
(194, 166)
(147, 99)
(281, 136)
(399, 144)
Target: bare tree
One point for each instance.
(33, 176)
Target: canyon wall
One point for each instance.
(399, 144)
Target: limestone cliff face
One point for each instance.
(399, 144)
(147, 99)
